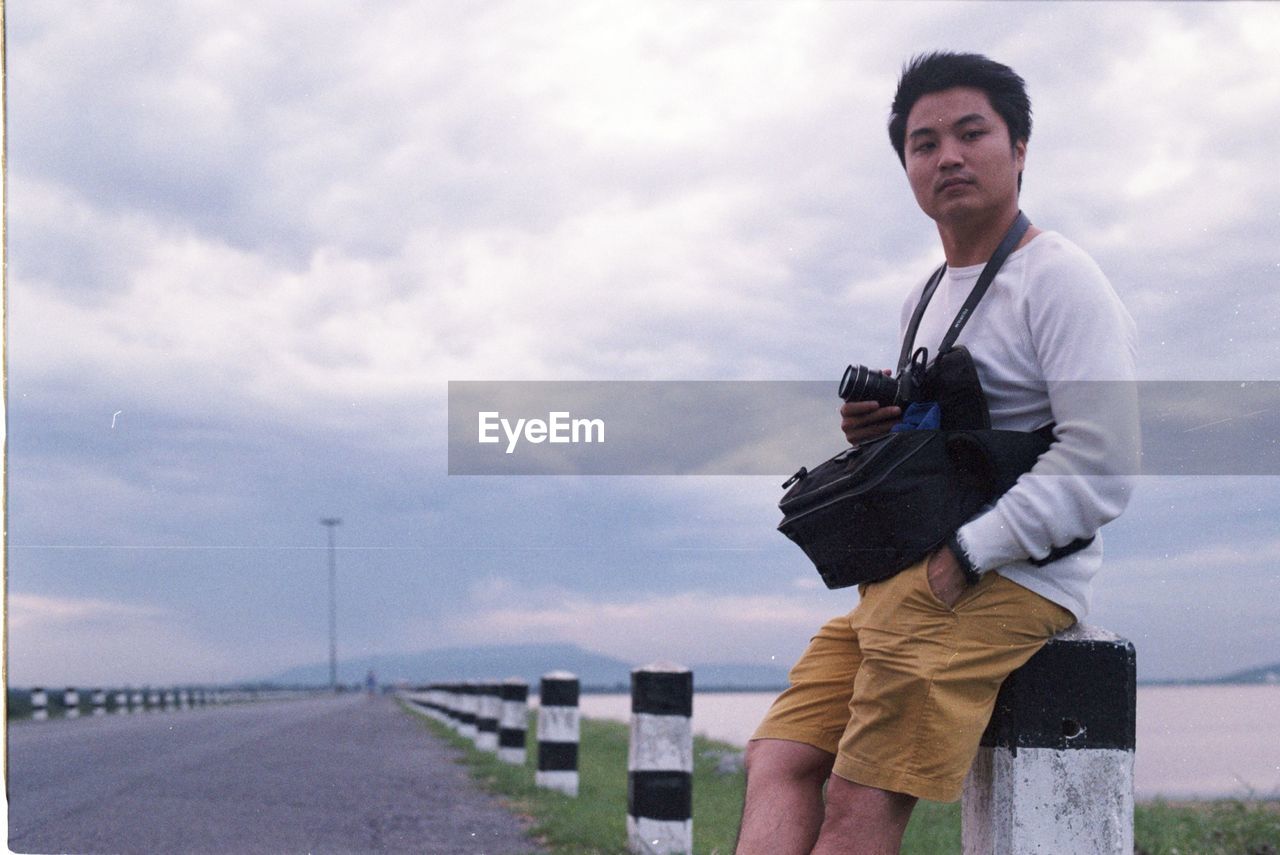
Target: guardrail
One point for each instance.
(42, 704)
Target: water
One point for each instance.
(1194, 742)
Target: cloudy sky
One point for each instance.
(250, 244)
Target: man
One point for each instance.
(888, 702)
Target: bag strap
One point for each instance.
(1007, 243)
(909, 340)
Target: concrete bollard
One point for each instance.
(184, 699)
(513, 721)
(449, 705)
(488, 711)
(460, 702)
(122, 702)
(71, 703)
(137, 701)
(470, 707)
(154, 701)
(660, 761)
(1055, 770)
(99, 701)
(170, 700)
(559, 730)
(39, 704)
(439, 695)
(433, 694)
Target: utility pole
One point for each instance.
(331, 523)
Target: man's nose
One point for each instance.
(949, 154)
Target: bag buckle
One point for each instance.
(801, 473)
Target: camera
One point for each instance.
(860, 383)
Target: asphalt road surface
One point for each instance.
(347, 774)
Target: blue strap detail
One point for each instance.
(920, 416)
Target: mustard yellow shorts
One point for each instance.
(901, 688)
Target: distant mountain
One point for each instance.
(526, 661)
(1265, 674)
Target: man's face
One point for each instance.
(958, 157)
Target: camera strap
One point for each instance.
(1007, 243)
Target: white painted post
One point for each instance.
(660, 761)
(122, 702)
(170, 700)
(453, 705)
(184, 699)
(71, 703)
(137, 704)
(1055, 770)
(489, 710)
(99, 701)
(440, 702)
(470, 697)
(559, 731)
(513, 723)
(39, 704)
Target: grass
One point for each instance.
(595, 822)
(1228, 827)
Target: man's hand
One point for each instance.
(864, 420)
(946, 579)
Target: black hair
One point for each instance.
(927, 73)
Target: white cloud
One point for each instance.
(689, 627)
(57, 641)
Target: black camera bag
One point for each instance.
(878, 507)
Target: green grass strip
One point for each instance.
(595, 823)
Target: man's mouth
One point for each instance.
(953, 182)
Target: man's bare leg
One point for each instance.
(862, 820)
(783, 809)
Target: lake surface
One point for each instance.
(1193, 741)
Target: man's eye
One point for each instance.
(973, 135)
(925, 146)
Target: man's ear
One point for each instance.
(1020, 153)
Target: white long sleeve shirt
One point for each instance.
(1052, 343)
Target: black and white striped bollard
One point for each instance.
(1055, 770)
(39, 704)
(513, 721)
(449, 695)
(489, 710)
(71, 702)
(559, 731)
(660, 761)
(470, 710)
(99, 701)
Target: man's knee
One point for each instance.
(858, 804)
(783, 760)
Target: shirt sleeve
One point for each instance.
(1084, 342)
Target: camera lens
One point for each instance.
(860, 383)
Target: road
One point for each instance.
(346, 774)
